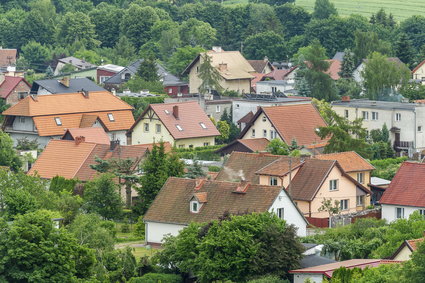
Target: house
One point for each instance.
(104, 72)
(13, 89)
(275, 86)
(418, 73)
(235, 71)
(312, 257)
(78, 64)
(8, 58)
(252, 102)
(94, 135)
(288, 123)
(378, 187)
(319, 273)
(173, 86)
(89, 73)
(287, 74)
(357, 73)
(64, 85)
(47, 117)
(247, 145)
(261, 66)
(182, 201)
(183, 124)
(405, 194)
(404, 120)
(353, 164)
(242, 122)
(308, 181)
(404, 252)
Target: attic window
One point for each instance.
(203, 125)
(167, 112)
(194, 206)
(58, 121)
(111, 117)
(179, 128)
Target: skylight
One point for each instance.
(58, 121)
(167, 112)
(203, 125)
(111, 117)
(179, 128)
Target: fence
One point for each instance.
(345, 219)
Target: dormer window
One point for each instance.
(179, 128)
(111, 117)
(194, 206)
(203, 125)
(58, 121)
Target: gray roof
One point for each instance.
(379, 181)
(314, 260)
(375, 104)
(75, 85)
(167, 78)
(81, 64)
(339, 56)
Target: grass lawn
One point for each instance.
(142, 251)
(401, 9)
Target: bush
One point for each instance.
(139, 227)
(268, 279)
(214, 168)
(200, 153)
(156, 278)
(125, 228)
(59, 184)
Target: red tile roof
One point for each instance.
(247, 118)
(414, 243)
(258, 77)
(418, 66)
(334, 69)
(350, 161)
(9, 84)
(407, 187)
(277, 74)
(190, 119)
(94, 135)
(7, 57)
(281, 166)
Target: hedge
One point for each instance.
(157, 278)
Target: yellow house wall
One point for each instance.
(346, 190)
(404, 254)
(420, 73)
(303, 206)
(260, 125)
(139, 136)
(366, 182)
(281, 181)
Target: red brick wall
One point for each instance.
(175, 90)
(103, 73)
(13, 98)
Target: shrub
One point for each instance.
(139, 227)
(157, 277)
(268, 279)
(125, 228)
(214, 168)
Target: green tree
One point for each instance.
(294, 18)
(157, 167)
(209, 76)
(404, 50)
(89, 56)
(329, 206)
(101, 196)
(324, 9)
(77, 27)
(224, 128)
(182, 57)
(348, 87)
(382, 75)
(124, 51)
(195, 170)
(37, 55)
(414, 28)
(266, 44)
(278, 147)
(106, 19)
(8, 156)
(197, 33)
(367, 43)
(33, 250)
(348, 65)
(415, 269)
(148, 70)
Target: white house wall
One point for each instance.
(155, 232)
(302, 277)
(389, 211)
(290, 214)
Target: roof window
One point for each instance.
(58, 121)
(194, 206)
(111, 117)
(203, 125)
(167, 112)
(179, 128)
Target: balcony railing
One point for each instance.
(403, 144)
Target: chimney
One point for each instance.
(217, 49)
(2, 78)
(176, 111)
(65, 81)
(242, 187)
(79, 140)
(222, 67)
(345, 98)
(199, 183)
(85, 93)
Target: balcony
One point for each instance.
(403, 145)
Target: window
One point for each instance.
(22, 120)
(203, 125)
(111, 117)
(158, 128)
(333, 185)
(206, 143)
(197, 69)
(22, 95)
(273, 181)
(58, 121)
(265, 133)
(253, 133)
(194, 206)
(360, 178)
(237, 106)
(280, 212)
(102, 79)
(274, 89)
(179, 128)
(398, 116)
(146, 127)
(190, 145)
(170, 90)
(343, 205)
(375, 116)
(421, 212)
(346, 114)
(365, 115)
(264, 119)
(271, 134)
(217, 109)
(114, 136)
(181, 145)
(360, 200)
(167, 112)
(419, 128)
(127, 76)
(399, 212)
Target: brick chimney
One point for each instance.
(242, 187)
(222, 67)
(345, 98)
(199, 183)
(65, 81)
(176, 111)
(79, 140)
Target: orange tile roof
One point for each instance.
(94, 135)
(334, 68)
(293, 122)
(72, 160)
(67, 103)
(414, 243)
(46, 125)
(350, 161)
(190, 117)
(87, 120)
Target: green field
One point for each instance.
(401, 9)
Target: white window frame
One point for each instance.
(344, 204)
(146, 127)
(333, 185)
(22, 120)
(365, 115)
(360, 177)
(375, 116)
(421, 212)
(280, 212)
(58, 121)
(399, 212)
(158, 128)
(273, 181)
(398, 116)
(194, 206)
(217, 109)
(111, 117)
(360, 200)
